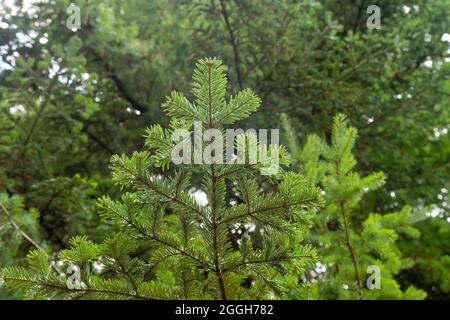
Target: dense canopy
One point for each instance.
(92, 92)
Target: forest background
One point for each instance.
(72, 98)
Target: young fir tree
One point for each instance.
(351, 244)
(167, 245)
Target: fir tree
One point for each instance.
(167, 245)
(348, 239)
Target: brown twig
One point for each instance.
(26, 236)
(233, 42)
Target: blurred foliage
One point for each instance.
(350, 248)
(71, 99)
(191, 253)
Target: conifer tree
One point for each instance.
(352, 245)
(166, 244)
(18, 227)
(19, 231)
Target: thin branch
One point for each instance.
(347, 238)
(154, 238)
(98, 141)
(233, 42)
(358, 16)
(27, 237)
(274, 259)
(167, 196)
(83, 291)
(39, 114)
(120, 85)
(214, 222)
(18, 229)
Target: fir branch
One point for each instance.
(27, 237)
(168, 197)
(19, 230)
(275, 259)
(233, 41)
(263, 210)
